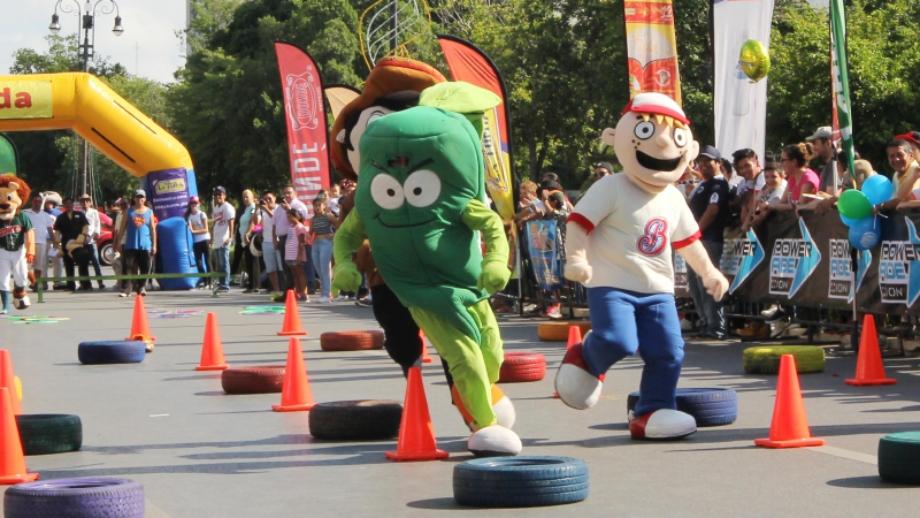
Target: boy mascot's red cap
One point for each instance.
(655, 103)
(390, 75)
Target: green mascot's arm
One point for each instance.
(495, 272)
(348, 238)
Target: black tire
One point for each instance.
(709, 406)
(86, 497)
(899, 458)
(520, 481)
(367, 419)
(111, 351)
(265, 379)
(522, 366)
(49, 433)
(764, 359)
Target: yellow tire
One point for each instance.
(764, 359)
(559, 331)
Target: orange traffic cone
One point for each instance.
(869, 367)
(574, 339)
(416, 433)
(8, 379)
(295, 392)
(212, 350)
(140, 330)
(789, 428)
(425, 357)
(291, 326)
(12, 462)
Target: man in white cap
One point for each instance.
(825, 156)
(618, 244)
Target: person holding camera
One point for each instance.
(265, 216)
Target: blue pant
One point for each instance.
(624, 322)
(321, 257)
(222, 264)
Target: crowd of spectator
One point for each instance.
(271, 243)
(281, 237)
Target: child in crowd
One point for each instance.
(295, 253)
(201, 237)
(322, 229)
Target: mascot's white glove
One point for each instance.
(576, 254)
(715, 283)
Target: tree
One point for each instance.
(227, 106)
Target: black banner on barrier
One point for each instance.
(807, 260)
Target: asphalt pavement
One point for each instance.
(201, 453)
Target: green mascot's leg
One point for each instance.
(492, 350)
(472, 367)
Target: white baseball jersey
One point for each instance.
(633, 233)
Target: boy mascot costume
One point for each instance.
(420, 202)
(618, 244)
(17, 243)
(393, 85)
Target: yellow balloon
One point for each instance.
(754, 60)
(18, 383)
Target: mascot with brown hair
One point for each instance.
(17, 243)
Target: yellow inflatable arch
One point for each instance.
(84, 104)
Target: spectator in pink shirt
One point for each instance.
(799, 178)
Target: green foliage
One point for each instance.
(227, 106)
(884, 70)
(563, 62)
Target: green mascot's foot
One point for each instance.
(493, 441)
(501, 407)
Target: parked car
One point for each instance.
(106, 241)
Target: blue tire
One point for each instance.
(522, 481)
(709, 406)
(86, 497)
(111, 351)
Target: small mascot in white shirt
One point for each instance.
(618, 244)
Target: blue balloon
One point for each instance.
(865, 233)
(878, 189)
(848, 221)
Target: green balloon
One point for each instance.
(854, 205)
(754, 60)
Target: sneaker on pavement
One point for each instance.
(576, 386)
(494, 441)
(662, 424)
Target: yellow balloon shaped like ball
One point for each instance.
(754, 60)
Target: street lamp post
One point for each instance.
(87, 16)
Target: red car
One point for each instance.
(106, 241)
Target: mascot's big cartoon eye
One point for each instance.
(681, 137)
(645, 130)
(422, 188)
(387, 192)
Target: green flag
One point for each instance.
(840, 81)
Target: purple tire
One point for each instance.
(85, 497)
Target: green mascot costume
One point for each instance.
(420, 202)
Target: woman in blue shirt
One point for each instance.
(140, 243)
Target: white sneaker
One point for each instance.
(493, 441)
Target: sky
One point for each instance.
(149, 47)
